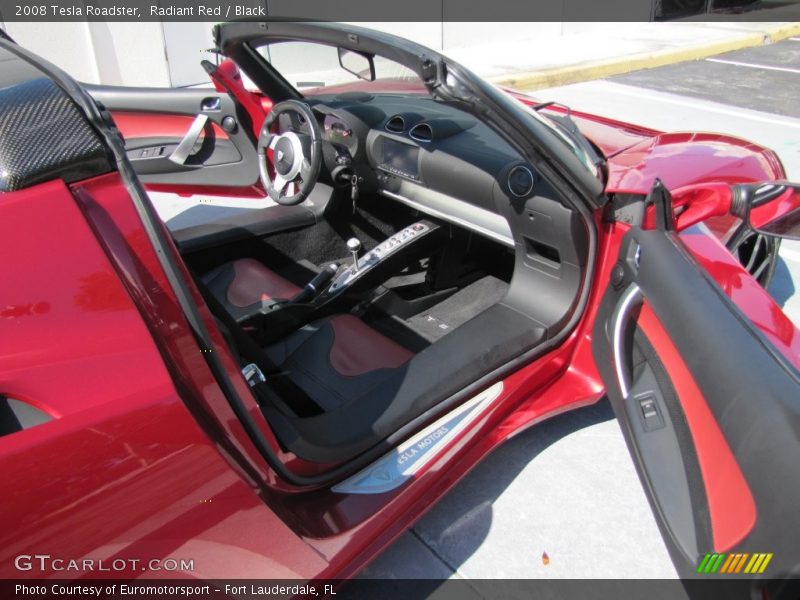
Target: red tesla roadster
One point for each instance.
(280, 392)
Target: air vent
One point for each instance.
(520, 181)
(421, 133)
(396, 124)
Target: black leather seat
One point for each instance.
(245, 285)
(367, 387)
(361, 386)
(337, 360)
(333, 361)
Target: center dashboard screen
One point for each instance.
(400, 158)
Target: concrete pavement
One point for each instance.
(565, 488)
(607, 49)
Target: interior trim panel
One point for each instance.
(452, 210)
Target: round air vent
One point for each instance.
(421, 133)
(396, 124)
(520, 181)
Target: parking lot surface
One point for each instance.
(765, 78)
(567, 487)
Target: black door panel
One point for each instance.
(707, 406)
(177, 136)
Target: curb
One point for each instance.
(533, 80)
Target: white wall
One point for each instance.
(109, 53)
(462, 35)
(185, 46)
(68, 45)
(138, 51)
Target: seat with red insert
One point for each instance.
(243, 286)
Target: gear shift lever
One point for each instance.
(354, 245)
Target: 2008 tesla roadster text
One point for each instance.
(282, 392)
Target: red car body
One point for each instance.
(144, 459)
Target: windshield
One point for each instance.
(314, 69)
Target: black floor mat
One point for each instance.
(459, 308)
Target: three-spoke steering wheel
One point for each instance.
(295, 157)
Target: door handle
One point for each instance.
(184, 149)
(211, 103)
(631, 299)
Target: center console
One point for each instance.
(379, 255)
(348, 285)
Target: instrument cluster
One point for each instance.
(338, 132)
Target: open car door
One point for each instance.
(184, 140)
(710, 411)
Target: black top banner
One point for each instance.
(386, 10)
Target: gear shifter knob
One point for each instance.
(354, 245)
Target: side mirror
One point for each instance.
(771, 208)
(360, 65)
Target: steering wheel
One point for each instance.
(295, 157)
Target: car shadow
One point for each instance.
(469, 514)
(424, 563)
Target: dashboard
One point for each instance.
(430, 156)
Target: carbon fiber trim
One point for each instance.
(44, 136)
